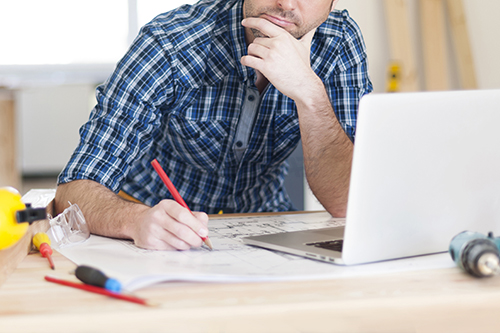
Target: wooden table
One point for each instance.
(444, 300)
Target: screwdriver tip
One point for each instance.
(51, 262)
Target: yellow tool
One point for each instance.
(394, 77)
(13, 212)
(42, 243)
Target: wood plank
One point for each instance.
(436, 300)
(401, 43)
(12, 256)
(433, 26)
(440, 300)
(461, 44)
(9, 174)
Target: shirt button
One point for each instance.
(251, 98)
(239, 144)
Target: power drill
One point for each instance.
(475, 253)
(15, 216)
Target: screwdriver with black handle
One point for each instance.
(95, 277)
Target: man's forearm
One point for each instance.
(285, 62)
(327, 150)
(105, 212)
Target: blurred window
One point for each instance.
(58, 32)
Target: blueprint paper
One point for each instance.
(39, 198)
(231, 260)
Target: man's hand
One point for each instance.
(285, 62)
(166, 226)
(169, 226)
(281, 58)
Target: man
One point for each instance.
(220, 93)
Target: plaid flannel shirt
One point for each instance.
(180, 94)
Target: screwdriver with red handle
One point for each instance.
(42, 243)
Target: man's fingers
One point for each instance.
(157, 238)
(183, 216)
(181, 237)
(169, 226)
(202, 217)
(264, 42)
(182, 224)
(254, 62)
(264, 26)
(182, 233)
(257, 50)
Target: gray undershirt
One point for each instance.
(245, 124)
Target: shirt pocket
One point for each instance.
(199, 143)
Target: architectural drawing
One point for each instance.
(230, 261)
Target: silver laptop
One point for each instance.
(426, 166)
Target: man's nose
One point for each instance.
(287, 4)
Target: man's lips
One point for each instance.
(278, 20)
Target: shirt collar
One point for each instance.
(238, 40)
(228, 46)
(234, 43)
(329, 32)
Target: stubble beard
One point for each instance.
(251, 11)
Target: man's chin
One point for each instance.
(258, 34)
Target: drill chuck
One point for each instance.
(475, 253)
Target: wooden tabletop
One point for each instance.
(444, 300)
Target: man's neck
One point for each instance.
(249, 37)
(261, 81)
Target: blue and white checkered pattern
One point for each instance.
(177, 96)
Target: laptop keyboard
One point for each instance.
(334, 245)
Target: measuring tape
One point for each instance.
(15, 217)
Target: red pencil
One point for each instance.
(99, 290)
(174, 193)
